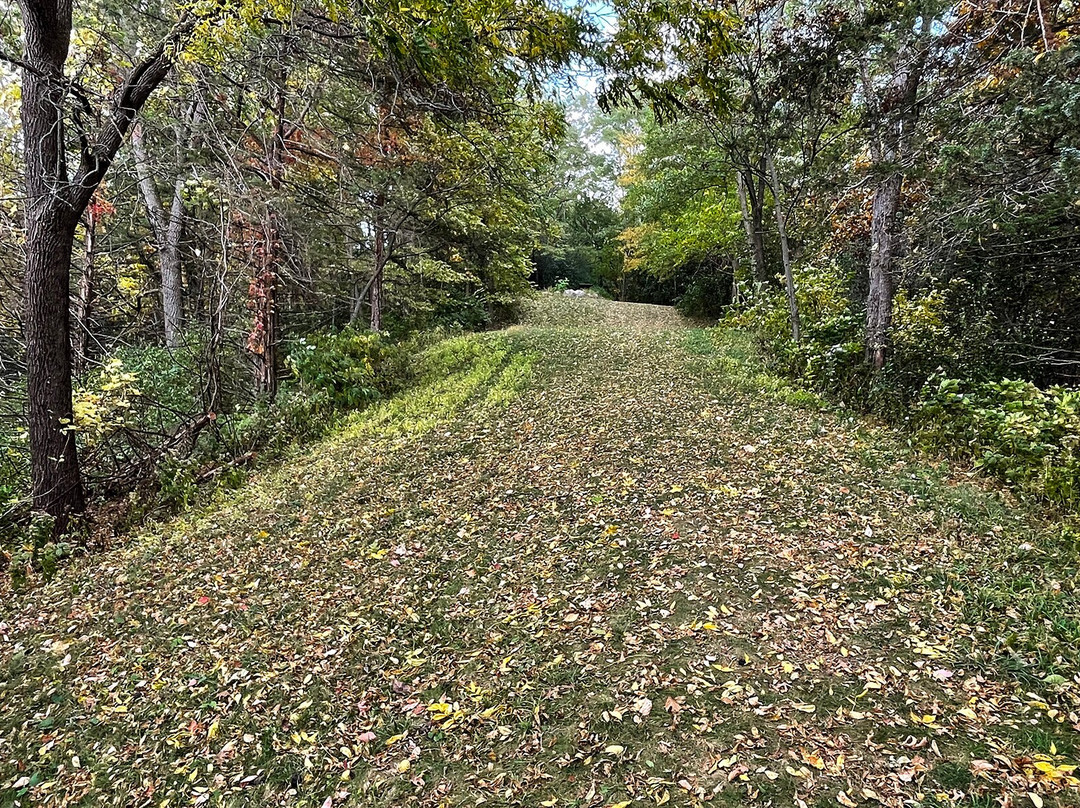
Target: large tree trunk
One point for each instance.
(895, 115)
(56, 482)
(52, 210)
(884, 248)
(50, 239)
(785, 252)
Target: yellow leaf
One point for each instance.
(440, 709)
(404, 765)
(1036, 800)
(393, 739)
(615, 749)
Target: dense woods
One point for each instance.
(220, 221)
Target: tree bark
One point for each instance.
(757, 213)
(884, 240)
(785, 251)
(50, 238)
(263, 248)
(168, 228)
(752, 223)
(55, 478)
(375, 299)
(84, 298)
(895, 116)
(375, 293)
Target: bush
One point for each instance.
(830, 356)
(14, 465)
(1026, 436)
(1013, 430)
(706, 298)
(344, 371)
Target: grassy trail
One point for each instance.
(596, 560)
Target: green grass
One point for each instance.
(573, 565)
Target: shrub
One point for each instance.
(1026, 436)
(105, 406)
(14, 465)
(706, 298)
(345, 370)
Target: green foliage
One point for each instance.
(34, 549)
(830, 355)
(14, 460)
(167, 380)
(333, 374)
(705, 298)
(177, 486)
(680, 222)
(1013, 430)
(343, 371)
(578, 203)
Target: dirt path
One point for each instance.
(583, 566)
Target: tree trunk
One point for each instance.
(53, 206)
(757, 214)
(751, 206)
(84, 299)
(785, 251)
(376, 292)
(56, 481)
(268, 271)
(167, 227)
(884, 247)
(896, 114)
(263, 249)
(50, 239)
(172, 279)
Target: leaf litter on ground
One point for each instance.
(596, 560)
